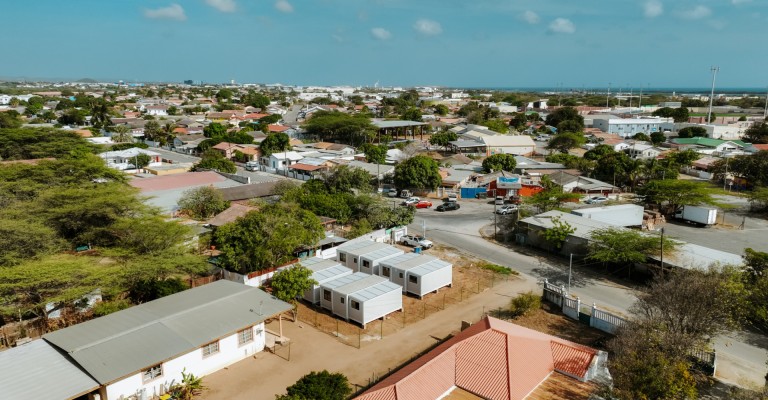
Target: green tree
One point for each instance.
(376, 154)
(290, 284)
(664, 112)
(753, 168)
(757, 133)
(121, 134)
(565, 114)
(335, 126)
(673, 194)
(418, 172)
(25, 238)
(343, 178)
(758, 199)
(755, 277)
(443, 139)
(658, 138)
(275, 143)
(598, 152)
(10, 119)
(100, 115)
(412, 114)
(440, 109)
(569, 125)
(497, 125)
(557, 234)
(499, 162)
(319, 386)
(624, 246)
(642, 136)
(692, 131)
(566, 141)
(73, 117)
(202, 203)
(680, 114)
(214, 129)
(214, 160)
(266, 238)
(153, 132)
(141, 160)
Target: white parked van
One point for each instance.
(499, 201)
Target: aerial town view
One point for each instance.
(384, 200)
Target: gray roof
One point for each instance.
(381, 252)
(325, 270)
(366, 287)
(417, 264)
(375, 290)
(364, 248)
(119, 344)
(693, 256)
(344, 280)
(527, 163)
(250, 191)
(37, 370)
(583, 226)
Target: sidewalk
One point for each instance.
(266, 375)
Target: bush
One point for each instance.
(108, 307)
(524, 304)
(499, 269)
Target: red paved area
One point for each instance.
(176, 181)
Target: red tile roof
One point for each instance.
(493, 359)
(305, 167)
(760, 146)
(278, 128)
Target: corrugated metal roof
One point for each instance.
(364, 250)
(344, 280)
(37, 370)
(417, 264)
(382, 253)
(353, 245)
(583, 226)
(693, 256)
(330, 273)
(127, 341)
(376, 290)
(366, 282)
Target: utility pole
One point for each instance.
(640, 102)
(608, 97)
(570, 269)
(712, 94)
(725, 177)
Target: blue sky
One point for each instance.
(471, 43)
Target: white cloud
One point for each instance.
(428, 27)
(653, 8)
(697, 12)
(174, 11)
(381, 33)
(222, 5)
(530, 17)
(562, 25)
(284, 6)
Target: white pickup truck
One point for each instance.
(416, 241)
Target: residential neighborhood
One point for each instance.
(383, 224)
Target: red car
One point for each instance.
(423, 204)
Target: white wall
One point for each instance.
(229, 353)
(378, 307)
(432, 281)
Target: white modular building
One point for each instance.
(361, 298)
(323, 271)
(365, 256)
(628, 127)
(418, 274)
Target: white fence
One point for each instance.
(571, 306)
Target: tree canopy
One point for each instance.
(692, 131)
(624, 246)
(202, 203)
(418, 172)
(566, 114)
(319, 386)
(376, 154)
(275, 143)
(499, 162)
(335, 126)
(215, 160)
(757, 133)
(291, 283)
(673, 194)
(563, 142)
(442, 139)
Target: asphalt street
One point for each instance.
(742, 356)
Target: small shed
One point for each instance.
(418, 274)
(322, 271)
(365, 256)
(361, 298)
(620, 214)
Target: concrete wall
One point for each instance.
(229, 352)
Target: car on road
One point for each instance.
(596, 200)
(508, 209)
(252, 166)
(423, 204)
(410, 201)
(416, 241)
(542, 138)
(499, 201)
(392, 192)
(448, 206)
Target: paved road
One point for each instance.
(741, 356)
(292, 114)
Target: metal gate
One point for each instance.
(469, 193)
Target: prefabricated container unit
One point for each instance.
(361, 298)
(322, 271)
(346, 254)
(418, 274)
(366, 258)
(620, 215)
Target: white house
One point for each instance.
(140, 351)
(361, 298)
(159, 110)
(282, 160)
(519, 145)
(323, 271)
(365, 256)
(418, 274)
(126, 159)
(628, 127)
(642, 151)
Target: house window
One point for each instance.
(354, 304)
(354, 260)
(245, 336)
(343, 257)
(401, 275)
(341, 300)
(385, 271)
(152, 373)
(327, 295)
(413, 279)
(210, 349)
(366, 264)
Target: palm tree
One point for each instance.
(121, 134)
(100, 115)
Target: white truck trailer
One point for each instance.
(701, 215)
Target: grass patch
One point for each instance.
(498, 269)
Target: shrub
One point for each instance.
(524, 304)
(108, 307)
(499, 269)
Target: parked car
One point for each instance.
(448, 206)
(406, 194)
(252, 166)
(542, 138)
(410, 201)
(423, 204)
(499, 201)
(451, 197)
(515, 200)
(481, 195)
(596, 200)
(392, 192)
(416, 241)
(508, 209)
